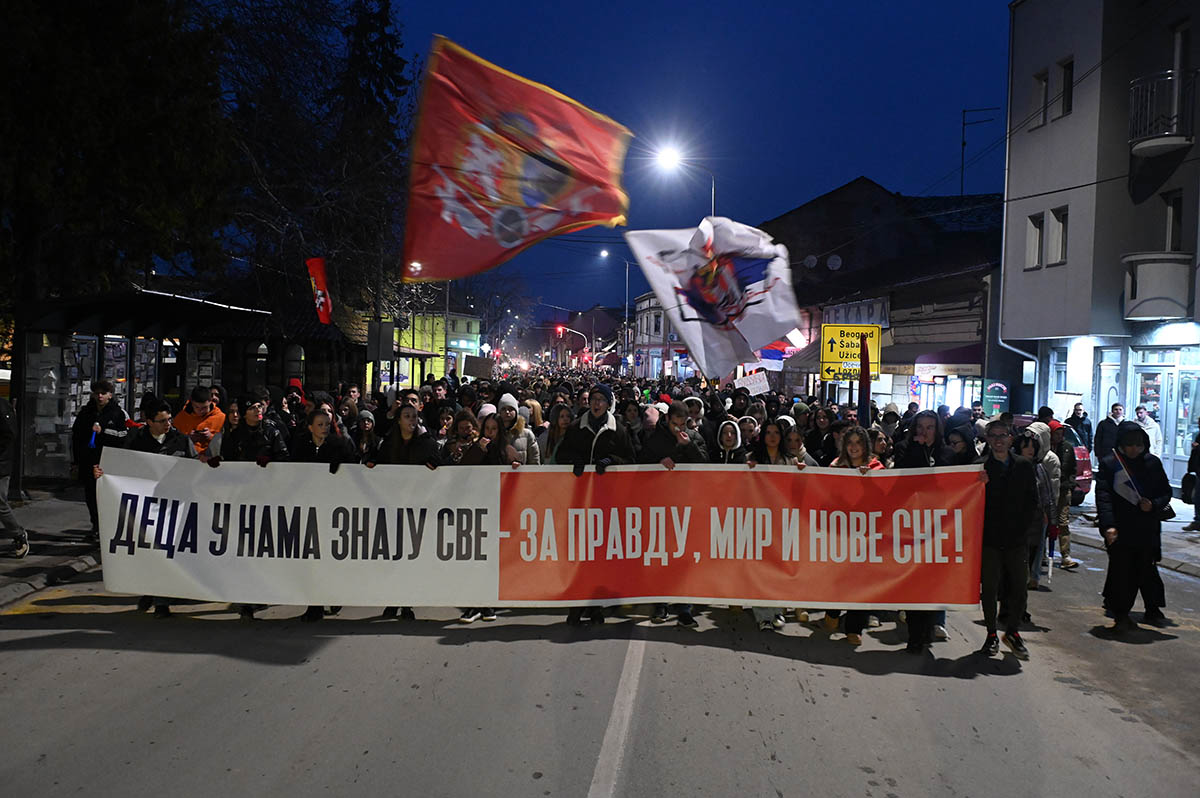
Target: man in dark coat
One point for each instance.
(1131, 492)
(672, 442)
(100, 423)
(1010, 505)
(1082, 425)
(1106, 432)
(157, 436)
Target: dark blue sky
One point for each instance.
(782, 101)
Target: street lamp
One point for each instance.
(670, 158)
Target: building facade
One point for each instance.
(1099, 264)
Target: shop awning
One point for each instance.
(807, 360)
(416, 354)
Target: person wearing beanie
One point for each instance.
(485, 410)
(520, 437)
(366, 442)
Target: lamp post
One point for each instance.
(625, 326)
(670, 158)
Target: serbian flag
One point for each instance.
(316, 276)
(499, 163)
(725, 286)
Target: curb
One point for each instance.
(1171, 564)
(59, 572)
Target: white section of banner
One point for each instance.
(725, 286)
(358, 562)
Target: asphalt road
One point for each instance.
(101, 700)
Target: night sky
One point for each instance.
(782, 102)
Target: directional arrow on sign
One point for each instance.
(830, 344)
(829, 371)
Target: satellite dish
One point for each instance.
(811, 261)
(834, 262)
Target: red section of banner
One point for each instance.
(888, 539)
(500, 163)
(316, 276)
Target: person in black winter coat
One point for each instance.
(100, 423)
(1131, 493)
(1079, 421)
(406, 443)
(1010, 505)
(595, 438)
(320, 445)
(8, 519)
(922, 447)
(1106, 432)
(672, 442)
(255, 439)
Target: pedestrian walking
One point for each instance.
(1131, 493)
(8, 519)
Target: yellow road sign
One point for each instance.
(841, 346)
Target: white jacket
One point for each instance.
(1155, 432)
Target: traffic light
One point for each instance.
(559, 329)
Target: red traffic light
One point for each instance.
(559, 329)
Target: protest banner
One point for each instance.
(293, 533)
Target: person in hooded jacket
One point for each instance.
(597, 438)
(1132, 490)
(254, 439)
(1053, 466)
(522, 439)
(769, 450)
(922, 447)
(889, 420)
(729, 450)
(673, 441)
(319, 445)
(961, 443)
(855, 453)
(1066, 486)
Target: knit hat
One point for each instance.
(1054, 424)
(800, 408)
(604, 390)
(366, 415)
(485, 410)
(508, 400)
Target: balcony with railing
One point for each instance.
(1160, 112)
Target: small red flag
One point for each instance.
(500, 163)
(316, 276)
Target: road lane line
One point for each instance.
(612, 750)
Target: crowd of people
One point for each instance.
(580, 418)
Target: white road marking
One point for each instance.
(612, 750)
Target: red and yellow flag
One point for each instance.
(499, 163)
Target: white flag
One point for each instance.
(725, 286)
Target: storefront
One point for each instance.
(138, 341)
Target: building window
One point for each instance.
(657, 323)
(1174, 202)
(1056, 246)
(453, 325)
(1041, 98)
(293, 362)
(1067, 73)
(1058, 368)
(1034, 235)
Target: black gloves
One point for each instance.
(262, 460)
(431, 463)
(333, 467)
(214, 462)
(578, 470)
(602, 464)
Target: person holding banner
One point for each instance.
(596, 439)
(254, 440)
(1011, 505)
(769, 450)
(1131, 493)
(855, 453)
(922, 448)
(729, 448)
(319, 446)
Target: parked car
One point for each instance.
(1083, 458)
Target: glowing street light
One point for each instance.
(669, 159)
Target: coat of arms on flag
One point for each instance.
(726, 287)
(500, 163)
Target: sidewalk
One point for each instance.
(56, 522)
(1181, 550)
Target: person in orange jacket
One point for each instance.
(200, 420)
